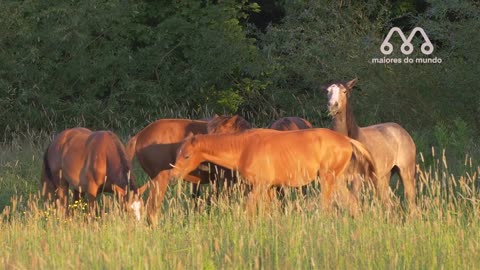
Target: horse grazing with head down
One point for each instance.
(391, 146)
(268, 158)
(290, 123)
(89, 162)
(156, 145)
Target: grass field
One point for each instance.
(444, 234)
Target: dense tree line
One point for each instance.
(106, 63)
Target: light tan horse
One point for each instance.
(268, 158)
(290, 123)
(156, 145)
(89, 162)
(391, 146)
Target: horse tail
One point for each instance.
(362, 161)
(46, 179)
(132, 143)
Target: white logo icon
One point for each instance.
(407, 47)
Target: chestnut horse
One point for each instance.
(268, 158)
(89, 162)
(156, 145)
(290, 123)
(391, 146)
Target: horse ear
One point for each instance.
(215, 116)
(351, 83)
(118, 190)
(143, 188)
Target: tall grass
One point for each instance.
(444, 232)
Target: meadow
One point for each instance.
(119, 65)
(442, 233)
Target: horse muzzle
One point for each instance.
(333, 111)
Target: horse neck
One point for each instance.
(344, 122)
(223, 150)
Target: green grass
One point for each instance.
(444, 234)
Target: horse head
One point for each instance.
(337, 94)
(188, 158)
(131, 195)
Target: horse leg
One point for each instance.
(77, 195)
(382, 186)
(356, 187)
(47, 189)
(408, 180)
(350, 197)
(92, 196)
(195, 191)
(327, 184)
(62, 194)
(156, 195)
(257, 192)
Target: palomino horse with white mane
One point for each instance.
(269, 158)
(89, 162)
(156, 145)
(391, 146)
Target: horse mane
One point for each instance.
(227, 124)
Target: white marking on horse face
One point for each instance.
(136, 205)
(333, 94)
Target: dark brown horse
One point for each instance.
(290, 123)
(391, 146)
(268, 158)
(89, 162)
(156, 145)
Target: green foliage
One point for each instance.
(120, 59)
(322, 41)
(103, 64)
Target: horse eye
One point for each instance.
(187, 156)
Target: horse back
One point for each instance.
(390, 144)
(290, 123)
(296, 155)
(106, 157)
(169, 131)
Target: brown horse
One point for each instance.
(290, 123)
(267, 158)
(391, 146)
(89, 162)
(156, 145)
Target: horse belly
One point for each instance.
(295, 177)
(281, 173)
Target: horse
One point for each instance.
(89, 162)
(391, 146)
(269, 158)
(156, 145)
(290, 123)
